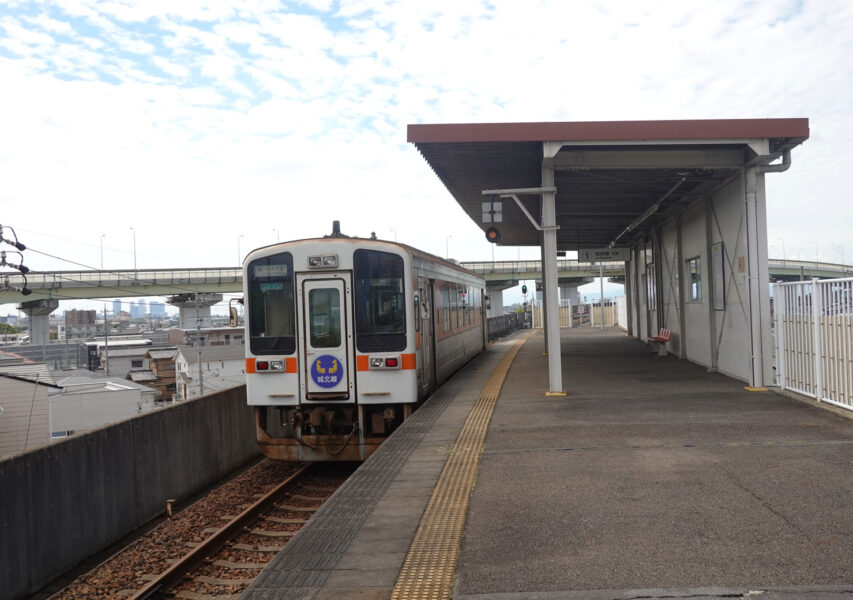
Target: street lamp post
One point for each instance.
(134, 248)
(239, 254)
(103, 235)
(276, 234)
(394, 231)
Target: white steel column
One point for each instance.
(758, 276)
(682, 286)
(549, 276)
(712, 313)
(629, 297)
(817, 313)
(779, 309)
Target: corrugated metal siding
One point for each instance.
(24, 421)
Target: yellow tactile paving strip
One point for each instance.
(431, 562)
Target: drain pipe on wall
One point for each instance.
(780, 167)
(754, 290)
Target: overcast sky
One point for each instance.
(213, 127)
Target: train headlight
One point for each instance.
(386, 362)
(330, 261)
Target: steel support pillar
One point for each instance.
(682, 285)
(712, 313)
(549, 278)
(758, 276)
(540, 295)
(629, 296)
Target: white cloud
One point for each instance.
(196, 122)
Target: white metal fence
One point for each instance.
(814, 337)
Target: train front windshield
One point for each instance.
(380, 319)
(272, 318)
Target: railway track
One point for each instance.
(216, 547)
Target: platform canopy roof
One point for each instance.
(609, 175)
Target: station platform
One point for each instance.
(652, 478)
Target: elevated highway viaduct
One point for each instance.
(180, 286)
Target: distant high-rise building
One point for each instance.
(138, 310)
(157, 309)
(116, 308)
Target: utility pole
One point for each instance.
(106, 343)
(198, 346)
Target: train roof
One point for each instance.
(415, 252)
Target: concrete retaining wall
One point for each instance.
(64, 502)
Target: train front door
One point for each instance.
(326, 331)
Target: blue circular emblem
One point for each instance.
(327, 371)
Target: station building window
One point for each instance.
(651, 288)
(694, 279)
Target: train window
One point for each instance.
(445, 303)
(271, 309)
(325, 312)
(380, 308)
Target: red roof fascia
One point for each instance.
(708, 129)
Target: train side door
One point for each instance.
(326, 329)
(484, 316)
(426, 357)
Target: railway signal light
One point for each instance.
(493, 235)
(523, 289)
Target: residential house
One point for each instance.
(221, 367)
(87, 400)
(212, 336)
(161, 372)
(24, 405)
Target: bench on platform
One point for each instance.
(661, 339)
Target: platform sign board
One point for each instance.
(604, 254)
(492, 212)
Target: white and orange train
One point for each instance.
(345, 335)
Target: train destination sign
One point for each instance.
(603, 254)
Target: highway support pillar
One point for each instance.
(194, 309)
(549, 275)
(38, 313)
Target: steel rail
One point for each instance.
(175, 574)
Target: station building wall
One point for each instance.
(714, 330)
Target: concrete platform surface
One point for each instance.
(656, 478)
(652, 479)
